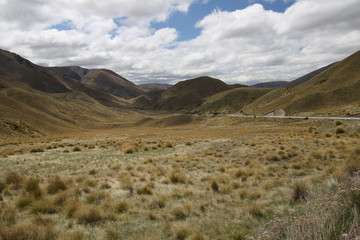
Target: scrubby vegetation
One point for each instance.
(223, 178)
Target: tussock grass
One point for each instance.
(90, 214)
(178, 176)
(45, 206)
(32, 186)
(224, 185)
(27, 231)
(56, 184)
(14, 179)
(7, 214)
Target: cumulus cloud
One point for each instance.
(248, 45)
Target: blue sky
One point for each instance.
(185, 23)
(166, 41)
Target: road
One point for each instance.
(297, 117)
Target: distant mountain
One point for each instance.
(186, 94)
(333, 91)
(154, 86)
(276, 84)
(101, 79)
(110, 82)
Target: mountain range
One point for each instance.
(39, 100)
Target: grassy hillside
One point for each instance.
(276, 84)
(189, 93)
(35, 101)
(308, 76)
(231, 101)
(43, 113)
(334, 91)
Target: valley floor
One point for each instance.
(216, 178)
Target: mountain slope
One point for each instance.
(308, 76)
(110, 82)
(74, 72)
(35, 100)
(334, 91)
(231, 101)
(20, 72)
(189, 93)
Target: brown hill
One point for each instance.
(74, 72)
(231, 101)
(20, 72)
(308, 76)
(35, 100)
(334, 91)
(190, 93)
(110, 82)
(141, 102)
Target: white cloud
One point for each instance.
(252, 44)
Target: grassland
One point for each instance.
(216, 178)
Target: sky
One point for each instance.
(166, 41)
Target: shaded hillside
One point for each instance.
(190, 93)
(231, 101)
(20, 72)
(110, 82)
(276, 84)
(334, 91)
(74, 72)
(35, 100)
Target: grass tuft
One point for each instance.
(56, 185)
(300, 192)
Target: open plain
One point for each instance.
(212, 178)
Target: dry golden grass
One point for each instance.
(226, 184)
